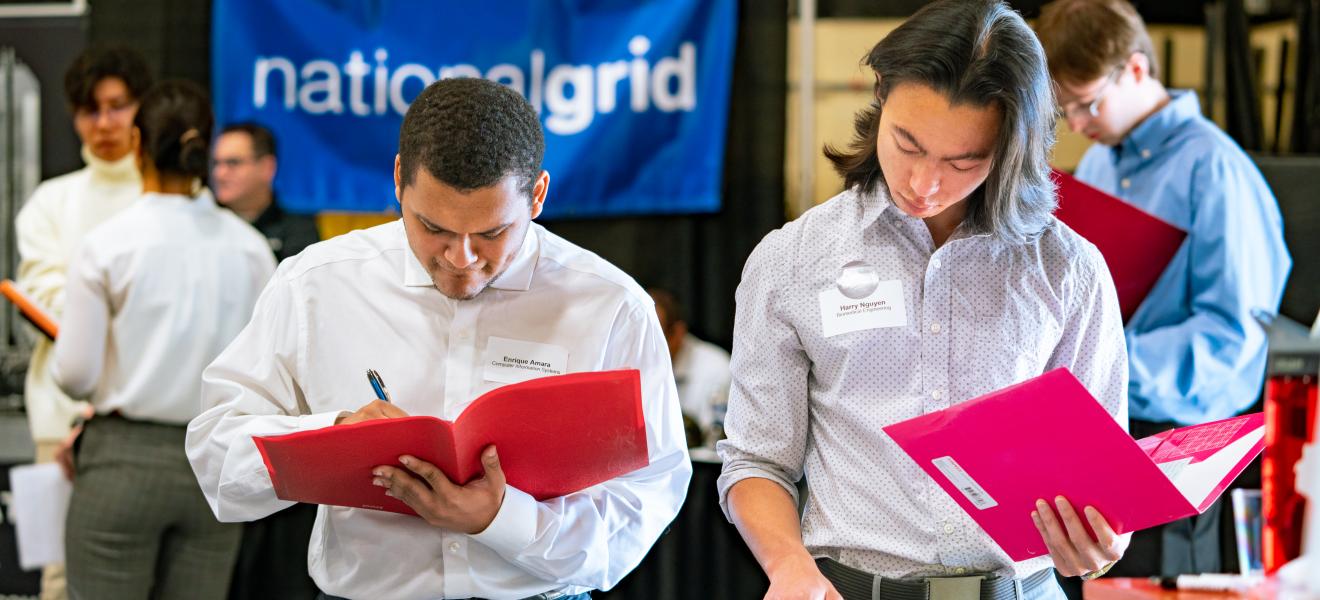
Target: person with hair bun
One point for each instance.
(153, 295)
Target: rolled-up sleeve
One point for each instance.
(767, 415)
(1092, 344)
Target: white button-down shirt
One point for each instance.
(702, 372)
(153, 295)
(363, 301)
(805, 402)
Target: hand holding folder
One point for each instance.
(555, 436)
(997, 454)
(30, 310)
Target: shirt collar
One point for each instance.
(273, 214)
(1151, 133)
(874, 204)
(518, 277)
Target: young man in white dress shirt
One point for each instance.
(464, 275)
(949, 206)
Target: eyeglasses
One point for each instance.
(232, 163)
(116, 112)
(1092, 108)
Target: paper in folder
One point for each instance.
(555, 435)
(29, 309)
(997, 454)
(1137, 246)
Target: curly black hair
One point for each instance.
(471, 133)
(100, 62)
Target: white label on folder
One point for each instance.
(513, 361)
(883, 307)
(964, 482)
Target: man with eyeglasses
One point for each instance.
(102, 88)
(242, 175)
(1196, 345)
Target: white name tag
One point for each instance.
(883, 307)
(512, 361)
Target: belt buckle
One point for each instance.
(955, 588)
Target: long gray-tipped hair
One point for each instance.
(977, 53)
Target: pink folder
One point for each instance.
(1136, 245)
(1046, 437)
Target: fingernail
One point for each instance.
(389, 493)
(1059, 502)
(1035, 516)
(378, 482)
(1041, 505)
(407, 462)
(379, 472)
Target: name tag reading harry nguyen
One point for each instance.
(513, 361)
(883, 307)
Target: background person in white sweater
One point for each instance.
(102, 87)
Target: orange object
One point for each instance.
(555, 435)
(29, 309)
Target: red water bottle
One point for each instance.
(1290, 412)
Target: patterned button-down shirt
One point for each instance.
(982, 314)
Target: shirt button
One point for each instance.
(935, 262)
(1145, 153)
(453, 547)
(948, 529)
(934, 327)
(937, 394)
(960, 570)
(1126, 183)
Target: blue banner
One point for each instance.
(633, 95)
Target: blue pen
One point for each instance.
(378, 385)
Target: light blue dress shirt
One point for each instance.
(1195, 345)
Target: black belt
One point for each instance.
(542, 596)
(856, 584)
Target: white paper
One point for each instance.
(41, 501)
(513, 361)
(883, 307)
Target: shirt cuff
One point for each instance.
(514, 525)
(320, 420)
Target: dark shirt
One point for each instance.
(287, 233)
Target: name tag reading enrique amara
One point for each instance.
(513, 361)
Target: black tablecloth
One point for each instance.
(701, 556)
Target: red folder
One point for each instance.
(1136, 245)
(997, 454)
(29, 309)
(555, 435)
